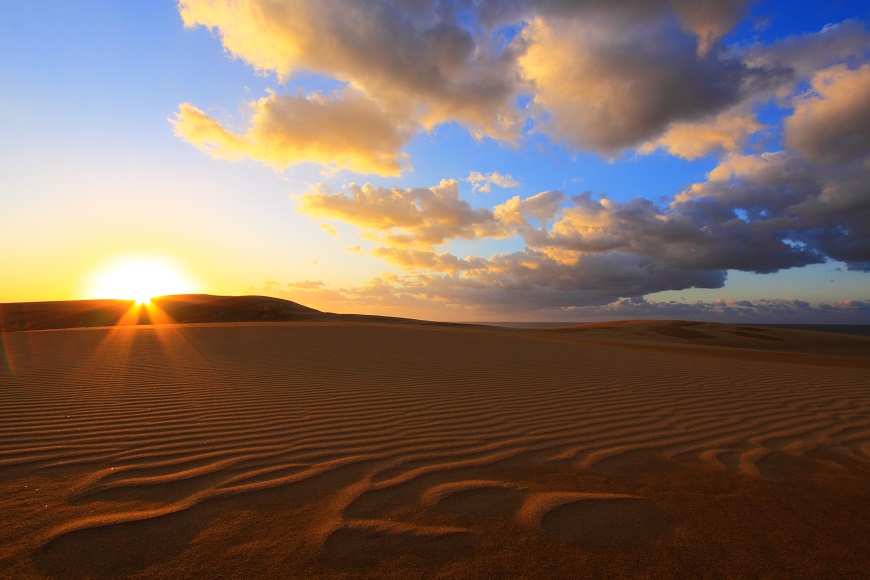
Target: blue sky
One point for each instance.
(613, 149)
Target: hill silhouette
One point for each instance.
(182, 308)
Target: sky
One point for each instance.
(460, 160)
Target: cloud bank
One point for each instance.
(384, 295)
(627, 75)
(630, 77)
(416, 65)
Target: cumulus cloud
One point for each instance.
(651, 75)
(807, 53)
(415, 58)
(418, 217)
(346, 131)
(727, 131)
(514, 214)
(773, 71)
(817, 209)
(608, 91)
(831, 122)
(706, 20)
(484, 182)
(627, 71)
(758, 213)
(556, 267)
(693, 236)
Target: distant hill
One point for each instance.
(184, 308)
(180, 308)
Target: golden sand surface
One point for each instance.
(393, 450)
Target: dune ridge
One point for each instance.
(389, 449)
(173, 309)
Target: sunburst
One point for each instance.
(140, 279)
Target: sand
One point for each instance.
(398, 450)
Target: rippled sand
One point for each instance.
(402, 450)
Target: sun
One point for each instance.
(140, 279)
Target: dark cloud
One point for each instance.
(844, 42)
(609, 91)
(414, 58)
(758, 213)
(701, 234)
(817, 209)
(603, 76)
(461, 299)
(831, 122)
(774, 311)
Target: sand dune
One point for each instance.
(390, 449)
(182, 308)
(742, 336)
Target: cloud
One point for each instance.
(692, 236)
(651, 75)
(757, 213)
(807, 53)
(817, 209)
(415, 58)
(608, 91)
(417, 65)
(709, 20)
(408, 224)
(411, 259)
(469, 301)
(418, 217)
(346, 130)
(307, 284)
(484, 183)
(831, 122)
(772, 74)
(514, 214)
(765, 310)
(706, 20)
(727, 131)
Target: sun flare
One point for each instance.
(140, 279)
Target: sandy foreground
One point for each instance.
(354, 449)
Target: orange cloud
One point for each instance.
(831, 122)
(420, 217)
(413, 63)
(346, 131)
(602, 77)
(727, 131)
(612, 88)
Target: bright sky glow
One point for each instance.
(495, 160)
(139, 279)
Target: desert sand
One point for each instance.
(346, 448)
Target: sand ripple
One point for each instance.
(383, 443)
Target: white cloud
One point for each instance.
(484, 182)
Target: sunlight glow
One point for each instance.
(140, 279)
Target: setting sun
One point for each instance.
(140, 279)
